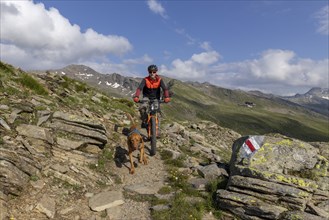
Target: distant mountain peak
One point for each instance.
(315, 90)
(114, 83)
(316, 99)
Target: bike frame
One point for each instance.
(154, 107)
(153, 123)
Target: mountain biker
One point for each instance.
(151, 87)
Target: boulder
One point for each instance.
(270, 175)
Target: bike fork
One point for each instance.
(149, 128)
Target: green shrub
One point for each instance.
(212, 188)
(81, 87)
(71, 101)
(105, 100)
(103, 160)
(167, 157)
(123, 104)
(165, 190)
(6, 68)
(34, 178)
(126, 102)
(181, 209)
(29, 82)
(65, 84)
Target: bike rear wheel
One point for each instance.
(153, 137)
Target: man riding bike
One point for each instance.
(151, 87)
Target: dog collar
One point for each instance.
(134, 131)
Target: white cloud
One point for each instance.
(157, 8)
(273, 65)
(32, 35)
(205, 45)
(142, 60)
(126, 68)
(190, 39)
(193, 69)
(185, 70)
(205, 58)
(275, 71)
(284, 68)
(323, 20)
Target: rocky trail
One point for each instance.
(110, 202)
(66, 187)
(57, 197)
(147, 180)
(62, 159)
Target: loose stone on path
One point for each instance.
(105, 200)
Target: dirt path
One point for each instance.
(148, 179)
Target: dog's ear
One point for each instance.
(125, 131)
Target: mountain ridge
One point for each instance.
(316, 99)
(244, 112)
(75, 70)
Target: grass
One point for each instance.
(81, 87)
(181, 209)
(34, 178)
(79, 95)
(9, 75)
(222, 107)
(29, 82)
(187, 202)
(66, 185)
(6, 69)
(165, 190)
(123, 104)
(11, 91)
(179, 162)
(104, 161)
(25, 118)
(189, 205)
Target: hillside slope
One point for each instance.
(62, 158)
(246, 113)
(226, 107)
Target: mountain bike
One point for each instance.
(153, 122)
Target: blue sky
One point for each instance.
(278, 47)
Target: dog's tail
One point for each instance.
(131, 119)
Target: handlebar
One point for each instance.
(159, 100)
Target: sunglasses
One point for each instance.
(152, 72)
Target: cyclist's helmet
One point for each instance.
(152, 68)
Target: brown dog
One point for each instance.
(135, 142)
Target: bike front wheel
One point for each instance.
(153, 136)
